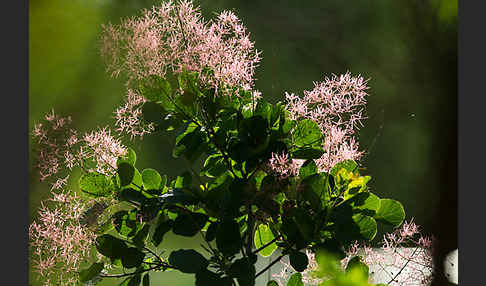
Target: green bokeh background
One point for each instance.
(408, 50)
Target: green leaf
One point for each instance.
(366, 202)
(308, 153)
(211, 231)
(131, 195)
(244, 272)
(298, 260)
(214, 166)
(96, 184)
(187, 261)
(307, 134)
(191, 143)
(146, 280)
(348, 165)
(332, 247)
(286, 124)
(162, 228)
(228, 239)
(183, 181)
(390, 212)
(132, 257)
(295, 280)
(272, 283)
(130, 158)
(153, 113)
(367, 226)
(206, 277)
(189, 224)
(316, 190)
(264, 109)
(110, 246)
(350, 226)
(141, 236)
(308, 168)
(90, 273)
(151, 179)
(264, 235)
(125, 223)
(356, 262)
(126, 173)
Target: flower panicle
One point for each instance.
(337, 106)
(174, 37)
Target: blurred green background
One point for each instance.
(408, 50)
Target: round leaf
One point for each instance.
(187, 261)
(189, 224)
(307, 133)
(126, 172)
(96, 184)
(264, 235)
(298, 260)
(151, 179)
(390, 212)
(132, 257)
(110, 246)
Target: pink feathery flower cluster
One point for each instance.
(283, 167)
(337, 106)
(405, 258)
(59, 148)
(52, 137)
(104, 149)
(174, 37)
(129, 117)
(59, 242)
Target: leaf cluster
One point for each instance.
(233, 200)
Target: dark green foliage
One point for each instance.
(97, 185)
(153, 113)
(90, 273)
(298, 260)
(162, 228)
(188, 261)
(110, 246)
(126, 173)
(211, 231)
(189, 224)
(139, 239)
(295, 280)
(244, 272)
(206, 277)
(229, 195)
(308, 168)
(146, 280)
(228, 239)
(125, 223)
(132, 257)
